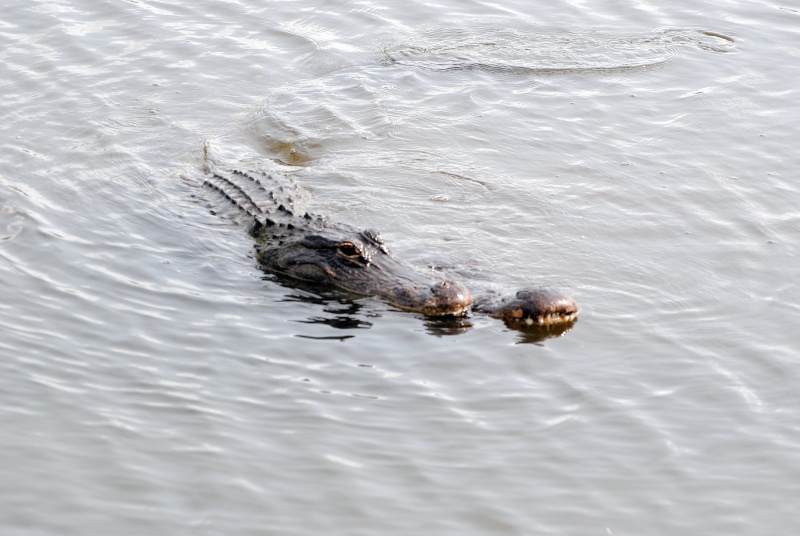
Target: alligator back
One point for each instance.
(261, 195)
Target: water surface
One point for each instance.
(642, 157)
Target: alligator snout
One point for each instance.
(442, 298)
(450, 298)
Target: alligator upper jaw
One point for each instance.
(445, 298)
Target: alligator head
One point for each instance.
(320, 253)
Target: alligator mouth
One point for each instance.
(540, 306)
(547, 319)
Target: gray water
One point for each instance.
(641, 156)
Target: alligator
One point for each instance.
(312, 251)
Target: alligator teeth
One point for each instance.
(551, 318)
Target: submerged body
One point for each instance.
(316, 251)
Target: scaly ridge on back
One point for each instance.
(249, 193)
(233, 193)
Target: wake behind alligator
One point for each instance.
(313, 251)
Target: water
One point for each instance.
(641, 157)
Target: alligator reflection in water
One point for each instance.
(349, 315)
(344, 314)
(312, 252)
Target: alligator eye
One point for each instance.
(348, 249)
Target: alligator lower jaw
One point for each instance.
(547, 319)
(436, 309)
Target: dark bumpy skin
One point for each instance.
(358, 262)
(318, 252)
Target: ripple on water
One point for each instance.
(153, 381)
